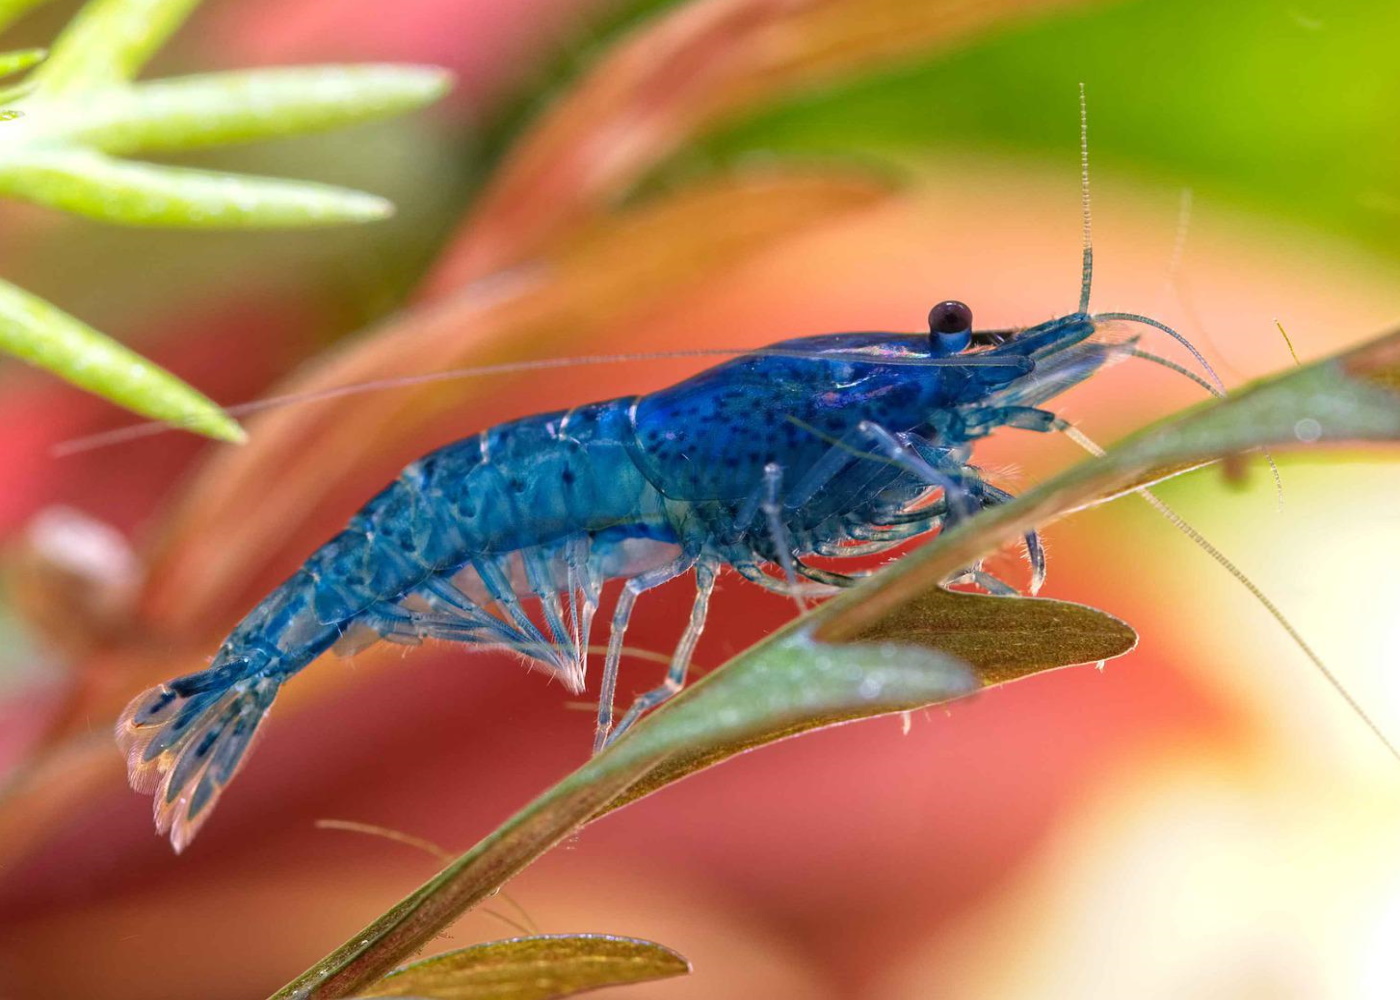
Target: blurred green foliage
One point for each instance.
(1286, 109)
(81, 108)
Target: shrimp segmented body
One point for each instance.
(839, 445)
(823, 445)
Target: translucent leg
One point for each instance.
(1035, 551)
(680, 660)
(987, 582)
(988, 495)
(904, 455)
(585, 587)
(622, 615)
(446, 597)
(754, 573)
(539, 574)
(777, 530)
(537, 646)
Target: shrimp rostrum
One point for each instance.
(837, 445)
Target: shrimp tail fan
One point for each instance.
(184, 741)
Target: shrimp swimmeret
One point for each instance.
(839, 445)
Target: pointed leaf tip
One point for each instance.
(49, 338)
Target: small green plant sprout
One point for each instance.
(67, 128)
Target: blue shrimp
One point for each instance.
(826, 445)
(838, 445)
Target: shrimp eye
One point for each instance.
(950, 327)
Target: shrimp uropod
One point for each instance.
(835, 445)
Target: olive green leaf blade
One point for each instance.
(142, 194)
(245, 106)
(784, 686)
(108, 42)
(533, 968)
(44, 335)
(20, 60)
(1001, 639)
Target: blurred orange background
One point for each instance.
(1199, 818)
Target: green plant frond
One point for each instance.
(44, 335)
(108, 42)
(222, 108)
(80, 105)
(142, 194)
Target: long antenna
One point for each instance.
(1182, 525)
(1087, 278)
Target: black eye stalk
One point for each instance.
(949, 328)
(950, 317)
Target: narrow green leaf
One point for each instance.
(12, 10)
(533, 968)
(20, 60)
(782, 690)
(108, 42)
(785, 685)
(39, 333)
(219, 108)
(141, 194)
(1001, 639)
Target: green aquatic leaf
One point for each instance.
(835, 664)
(80, 106)
(109, 41)
(44, 335)
(533, 968)
(221, 108)
(786, 685)
(143, 194)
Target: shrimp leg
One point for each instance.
(705, 573)
(778, 533)
(622, 616)
(988, 495)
